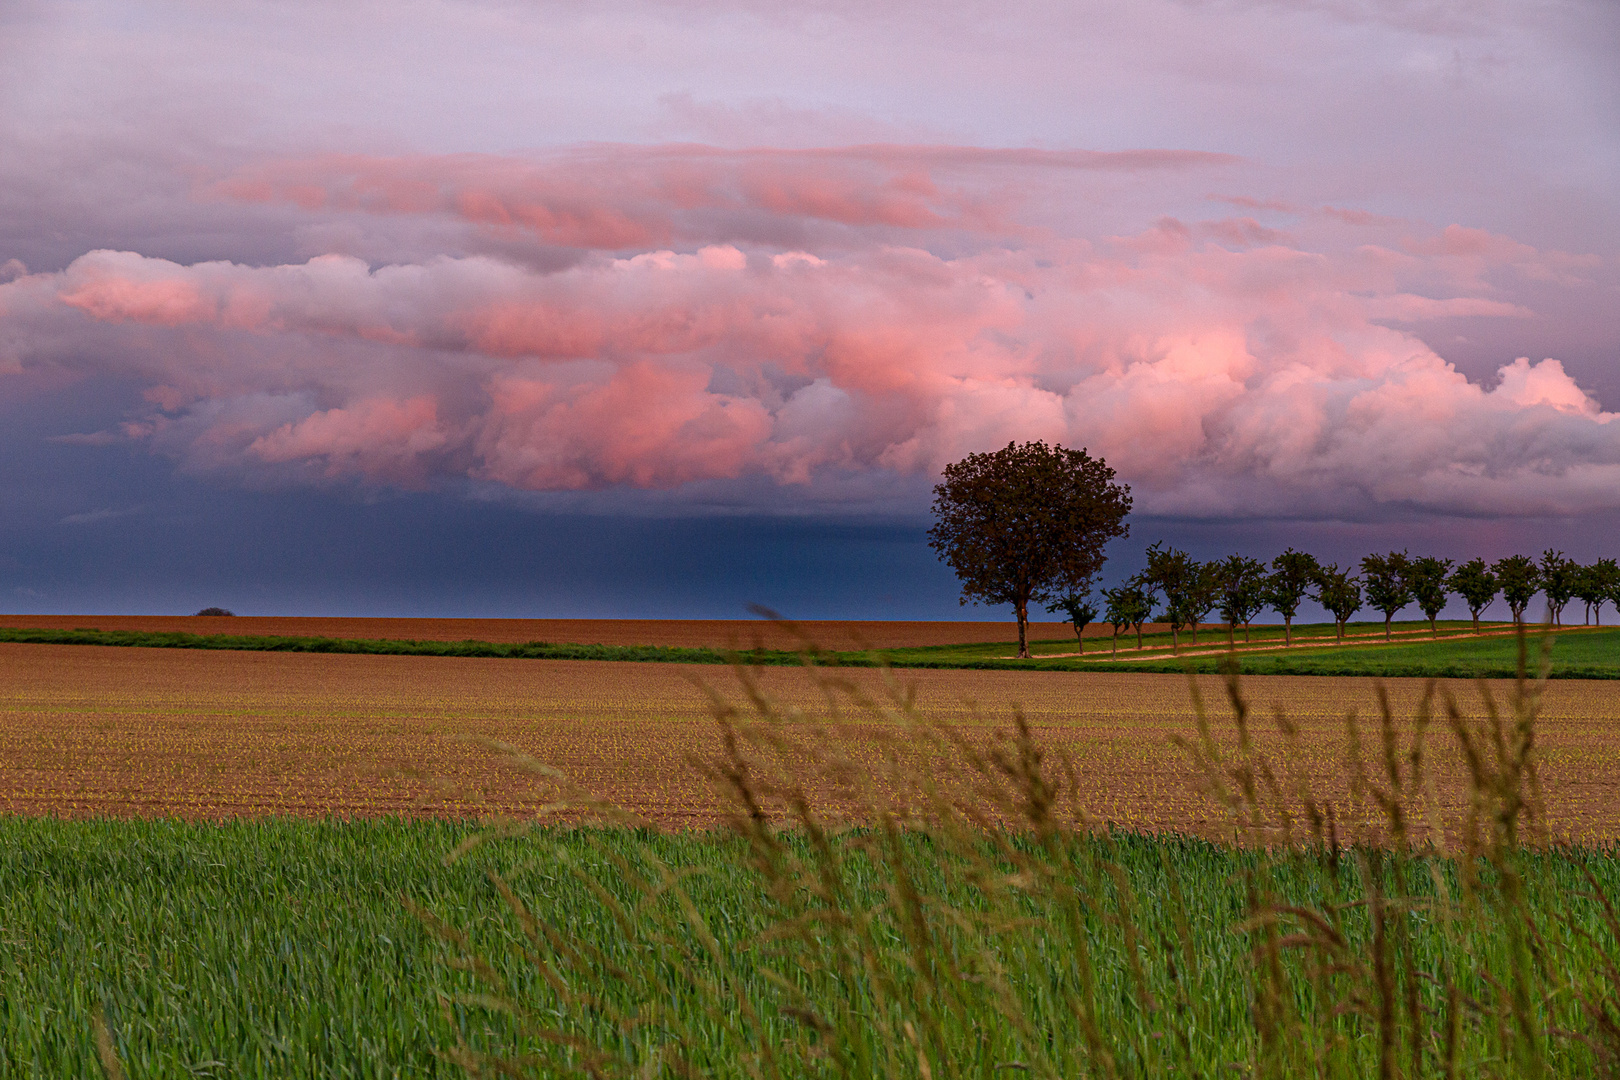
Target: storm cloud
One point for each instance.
(1275, 261)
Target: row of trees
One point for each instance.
(1178, 589)
(1029, 524)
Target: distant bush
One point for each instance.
(215, 611)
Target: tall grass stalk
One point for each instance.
(945, 907)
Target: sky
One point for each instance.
(642, 309)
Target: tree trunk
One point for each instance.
(1432, 631)
(1476, 622)
(1175, 641)
(1387, 616)
(1139, 636)
(1023, 631)
(1288, 630)
(1116, 642)
(1195, 633)
(1245, 633)
(1231, 636)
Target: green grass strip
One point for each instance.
(526, 650)
(1589, 654)
(1586, 654)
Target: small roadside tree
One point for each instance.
(1587, 590)
(1122, 607)
(1520, 580)
(1388, 588)
(1174, 575)
(1474, 582)
(1603, 579)
(1143, 604)
(1204, 594)
(1559, 577)
(1428, 578)
(1612, 576)
(1292, 575)
(1027, 523)
(1242, 582)
(1340, 592)
(1081, 612)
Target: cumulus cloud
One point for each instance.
(1224, 367)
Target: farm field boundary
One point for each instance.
(1580, 653)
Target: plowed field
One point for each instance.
(688, 633)
(207, 735)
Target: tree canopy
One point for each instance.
(1559, 578)
(1388, 587)
(1176, 576)
(1292, 575)
(1477, 585)
(1127, 605)
(1426, 577)
(1081, 612)
(1241, 583)
(1339, 591)
(1027, 523)
(1519, 580)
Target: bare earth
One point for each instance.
(119, 731)
(689, 633)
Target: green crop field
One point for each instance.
(284, 948)
(1572, 654)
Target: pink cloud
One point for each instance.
(380, 438)
(614, 197)
(122, 287)
(1223, 367)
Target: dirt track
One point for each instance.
(88, 731)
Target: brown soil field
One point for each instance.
(124, 732)
(691, 633)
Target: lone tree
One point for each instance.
(1339, 592)
(1428, 578)
(1242, 582)
(1559, 577)
(1474, 582)
(1292, 575)
(1081, 612)
(1027, 523)
(1388, 587)
(1520, 580)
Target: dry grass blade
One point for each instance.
(105, 1050)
